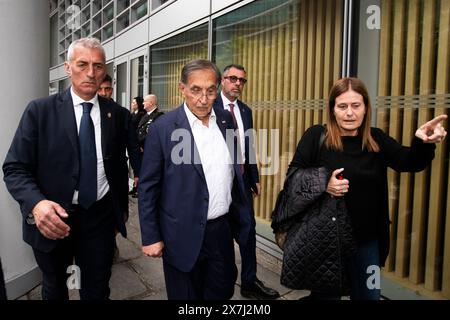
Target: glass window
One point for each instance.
(158, 3)
(292, 53)
(168, 58)
(54, 40)
(137, 77)
(407, 73)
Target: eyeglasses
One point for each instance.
(198, 93)
(233, 79)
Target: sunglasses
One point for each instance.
(233, 79)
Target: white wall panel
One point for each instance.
(131, 39)
(177, 15)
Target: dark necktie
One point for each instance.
(87, 184)
(231, 105)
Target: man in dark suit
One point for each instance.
(152, 113)
(233, 81)
(67, 168)
(188, 182)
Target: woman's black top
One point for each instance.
(367, 198)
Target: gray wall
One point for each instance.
(24, 46)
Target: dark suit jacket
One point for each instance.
(250, 169)
(144, 124)
(173, 198)
(43, 160)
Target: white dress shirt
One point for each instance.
(102, 182)
(216, 162)
(237, 115)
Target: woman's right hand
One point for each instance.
(337, 187)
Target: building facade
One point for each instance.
(293, 51)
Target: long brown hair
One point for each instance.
(333, 136)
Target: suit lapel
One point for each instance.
(106, 118)
(243, 115)
(67, 113)
(183, 122)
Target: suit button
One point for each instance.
(206, 199)
(202, 224)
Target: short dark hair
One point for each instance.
(200, 64)
(233, 65)
(107, 78)
(139, 102)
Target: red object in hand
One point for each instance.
(340, 176)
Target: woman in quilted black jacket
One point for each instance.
(358, 157)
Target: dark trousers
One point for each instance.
(214, 273)
(2, 284)
(363, 285)
(91, 244)
(248, 250)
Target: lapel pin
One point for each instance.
(109, 114)
(223, 121)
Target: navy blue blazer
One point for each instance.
(250, 169)
(43, 160)
(173, 197)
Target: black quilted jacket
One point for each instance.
(319, 238)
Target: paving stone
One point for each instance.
(151, 270)
(125, 283)
(127, 249)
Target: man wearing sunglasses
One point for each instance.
(233, 81)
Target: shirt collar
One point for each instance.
(193, 119)
(226, 102)
(78, 101)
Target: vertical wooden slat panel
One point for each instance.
(442, 87)
(409, 127)
(294, 85)
(437, 188)
(337, 39)
(397, 85)
(422, 179)
(319, 54)
(310, 60)
(328, 52)
(269, 45)
(384, 90)
(258, 83)
(303, 76)
(384, 82)
(287, 86)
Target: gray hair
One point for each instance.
(196, 65)
(91, 43)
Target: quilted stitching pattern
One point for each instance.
(316, 247)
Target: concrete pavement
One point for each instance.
(138, 277)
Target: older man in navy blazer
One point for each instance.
(189, 180)
(233, 81)
(67, 168)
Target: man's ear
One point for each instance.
(67, 68)
(181, 87)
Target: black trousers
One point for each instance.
(2, 284)
(89, 246)
(248, 249)
(214, 273)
